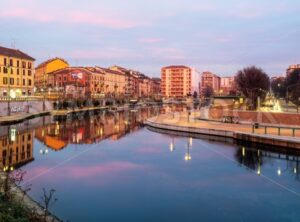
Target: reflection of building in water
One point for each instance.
(16, 149)
(92, 129)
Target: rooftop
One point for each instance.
(15, 53)
(176, 67)
(50, 60)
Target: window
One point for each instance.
(5, 61)
(29, 72)
(11, 81)
(4, 69)
(18, 82)
(23, 72)
(18, 71)
(29, 82)
(24, 82)
(11, 62)
(29, 65)
(11, 71)
(18, 63)
(5, 80)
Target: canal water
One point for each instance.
(109, 167)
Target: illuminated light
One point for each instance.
(13, 94)
(41, 151)
(13, 134)
(279, 172)
(258, 152)
(190, 141)
(46, 151)
(11, 168)
(258, 170)
(295, 170)
(243, 151)
(171, 147)
(187, 157)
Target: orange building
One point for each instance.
(176, 81)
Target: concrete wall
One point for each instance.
(22, 107)
(261, 117)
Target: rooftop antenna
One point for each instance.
(13, 43)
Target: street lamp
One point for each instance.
(8, 69)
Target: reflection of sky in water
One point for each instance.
(138, 178)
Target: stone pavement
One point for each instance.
(181, 119)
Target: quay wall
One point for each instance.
(287, 142)
(23, 107)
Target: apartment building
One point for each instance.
(208, 79)
(16, 73)
(176, 81)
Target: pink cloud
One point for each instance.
(150, 40)
(71, 17)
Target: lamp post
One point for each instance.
(8, 69)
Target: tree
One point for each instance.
(292, 84)
(208, 92)
(253, 82)
(195, 95)
(278, 86)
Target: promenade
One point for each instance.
(183, 122)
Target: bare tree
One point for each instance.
(253, 82)
(48, 201)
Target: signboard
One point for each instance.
(77, 75)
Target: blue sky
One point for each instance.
(218, 35)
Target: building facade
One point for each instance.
(114, 82)
(77, 81)
(210, 80)
(176, 81)
(43, 69)
(292, 68)
(16, 73)
(227, 86)
(155, 87)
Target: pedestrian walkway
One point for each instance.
(189, 123)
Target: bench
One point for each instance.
(230, 119)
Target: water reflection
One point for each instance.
(255, 159)
(16, 148)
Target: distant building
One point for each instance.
(176, 81)
(17, 73)
(131, 81)
(155, 87)
(43, 69)
(208, 79)
(114, 82)
(77, 81)
(292, 68)
(227, 86)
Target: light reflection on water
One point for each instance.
(109, 167)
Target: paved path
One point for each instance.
(181, 119)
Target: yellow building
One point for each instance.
(43, 69)
(16, 73)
